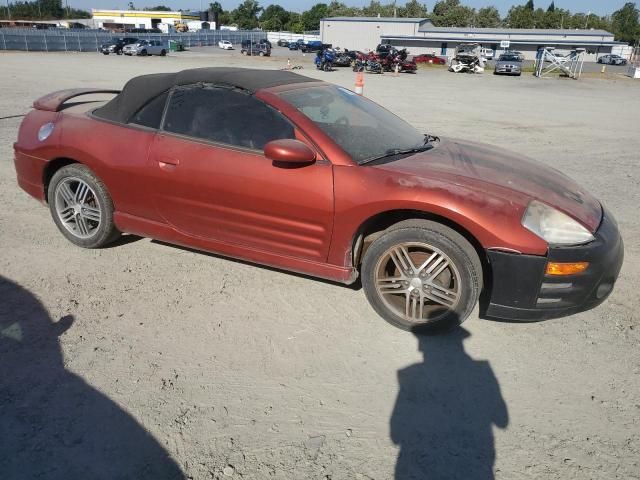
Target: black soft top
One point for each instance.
(140, 90)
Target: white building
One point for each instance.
(419, 35)
(443, 40)
(364, 33)
(130, 19)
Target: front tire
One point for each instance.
(422, 276)
(81, 207)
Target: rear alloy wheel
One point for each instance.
(422, 276)
(81, 207)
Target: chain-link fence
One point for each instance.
(90, 40)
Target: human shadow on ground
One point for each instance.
(53, 425)
(444, 415)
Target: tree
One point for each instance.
(552, 7)
(216, 7)
(311, 18)
(274, 17)
(624, 23)
(159, 8)
(339, 9)
(413, 9)
(519, 17)
(131, 6)
(295, 23)
(488, 17)
(529, 5)
(449, 13)
(246, 15)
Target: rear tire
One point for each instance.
(163, 53)
(143, 53)
(425, 299)
(81, 207)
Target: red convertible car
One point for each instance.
(429, 58)
(283, 170)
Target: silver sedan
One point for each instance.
(146, 47)
(508, 64)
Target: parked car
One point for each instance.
(116, 45)
(283, 43)
(508, 64)
(487, 53)
(225, 45)
(253, 48)
(429, 58)
(313, 46)
(294, 46)
(146, 47)
(307, 176)
(611, 59)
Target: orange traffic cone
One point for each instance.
(359, 83)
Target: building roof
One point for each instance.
(516, 31)
(138, 91)
(488, 39)
(377, 19)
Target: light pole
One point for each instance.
(8, 10)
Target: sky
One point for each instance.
(599, 7)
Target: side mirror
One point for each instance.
(289, 152)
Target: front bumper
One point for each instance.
(520, 289)
(507, 70)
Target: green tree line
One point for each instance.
(624, 23)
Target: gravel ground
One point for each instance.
(146, 360)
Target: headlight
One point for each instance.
(554, 226)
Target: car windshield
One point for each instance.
(509, 58)
(362, 128)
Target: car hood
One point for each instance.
(497, 171)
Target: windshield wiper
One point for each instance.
(398, 151)
(430, 139)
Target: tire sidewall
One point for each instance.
(454, 246)
(106, 232)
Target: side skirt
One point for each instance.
(163, 232)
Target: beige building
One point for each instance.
(365, 33)
(130, 19)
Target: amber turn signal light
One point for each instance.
(555, 268)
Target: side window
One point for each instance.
(225, 115)
(150, 115)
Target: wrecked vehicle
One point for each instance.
(468, 58)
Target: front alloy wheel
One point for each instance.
(420, 275)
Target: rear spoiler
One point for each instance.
(53, 102)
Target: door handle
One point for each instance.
(168, 163)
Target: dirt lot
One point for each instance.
(240, 371)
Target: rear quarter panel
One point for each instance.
(31, 154)
(117, 154)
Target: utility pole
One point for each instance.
(586, 22)
(8, 10)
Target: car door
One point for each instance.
(213, 181)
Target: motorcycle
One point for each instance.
(367, 62)
(324, 60)
(397, 59)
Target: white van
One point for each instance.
(487, 53)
